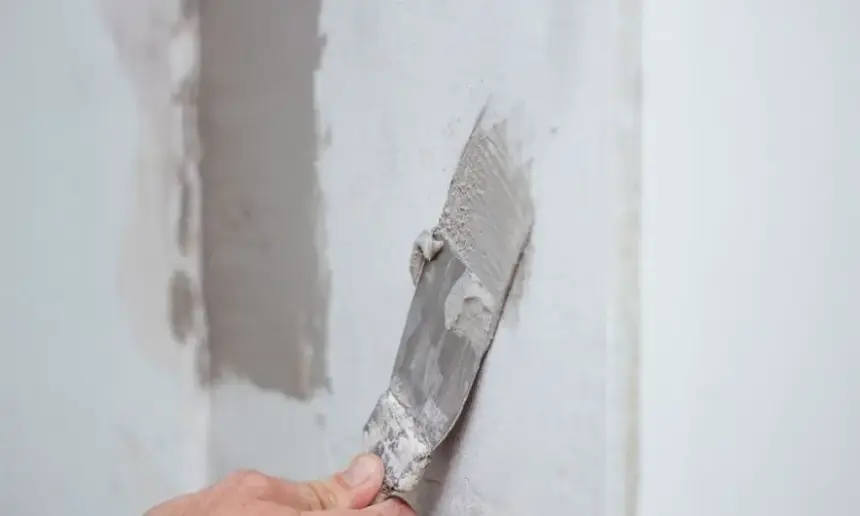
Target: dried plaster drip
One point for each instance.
(184, 60)
(184, 67)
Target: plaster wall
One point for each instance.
(750, 252)
(336, 128)
(101, 409)
(332, 133)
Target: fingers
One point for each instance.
(354, 488)
(251, 493)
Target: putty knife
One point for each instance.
(462, 269)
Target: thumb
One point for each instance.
(353, 488)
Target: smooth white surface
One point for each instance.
(751, 398)
(97, 418)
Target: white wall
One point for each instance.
(397, 91)
(98, 104)
(751, 152)
(101, 413)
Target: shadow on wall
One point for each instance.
(265, 280)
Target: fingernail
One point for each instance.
(360, 471)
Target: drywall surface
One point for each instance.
(751, 124)
(396, 89)
(101, 409)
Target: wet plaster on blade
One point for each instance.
(266, 276)
(492, 178)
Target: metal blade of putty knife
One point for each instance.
(463, 269)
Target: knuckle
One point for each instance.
(320, 496)
(249, 480)
(340, 483)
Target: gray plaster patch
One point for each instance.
(266, 285)
(182, 305)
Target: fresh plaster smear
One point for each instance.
(489, 213)
(266, 278)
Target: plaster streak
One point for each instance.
(161, 60)
(266, 278)
(156, 43)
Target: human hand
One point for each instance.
(250, 493)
